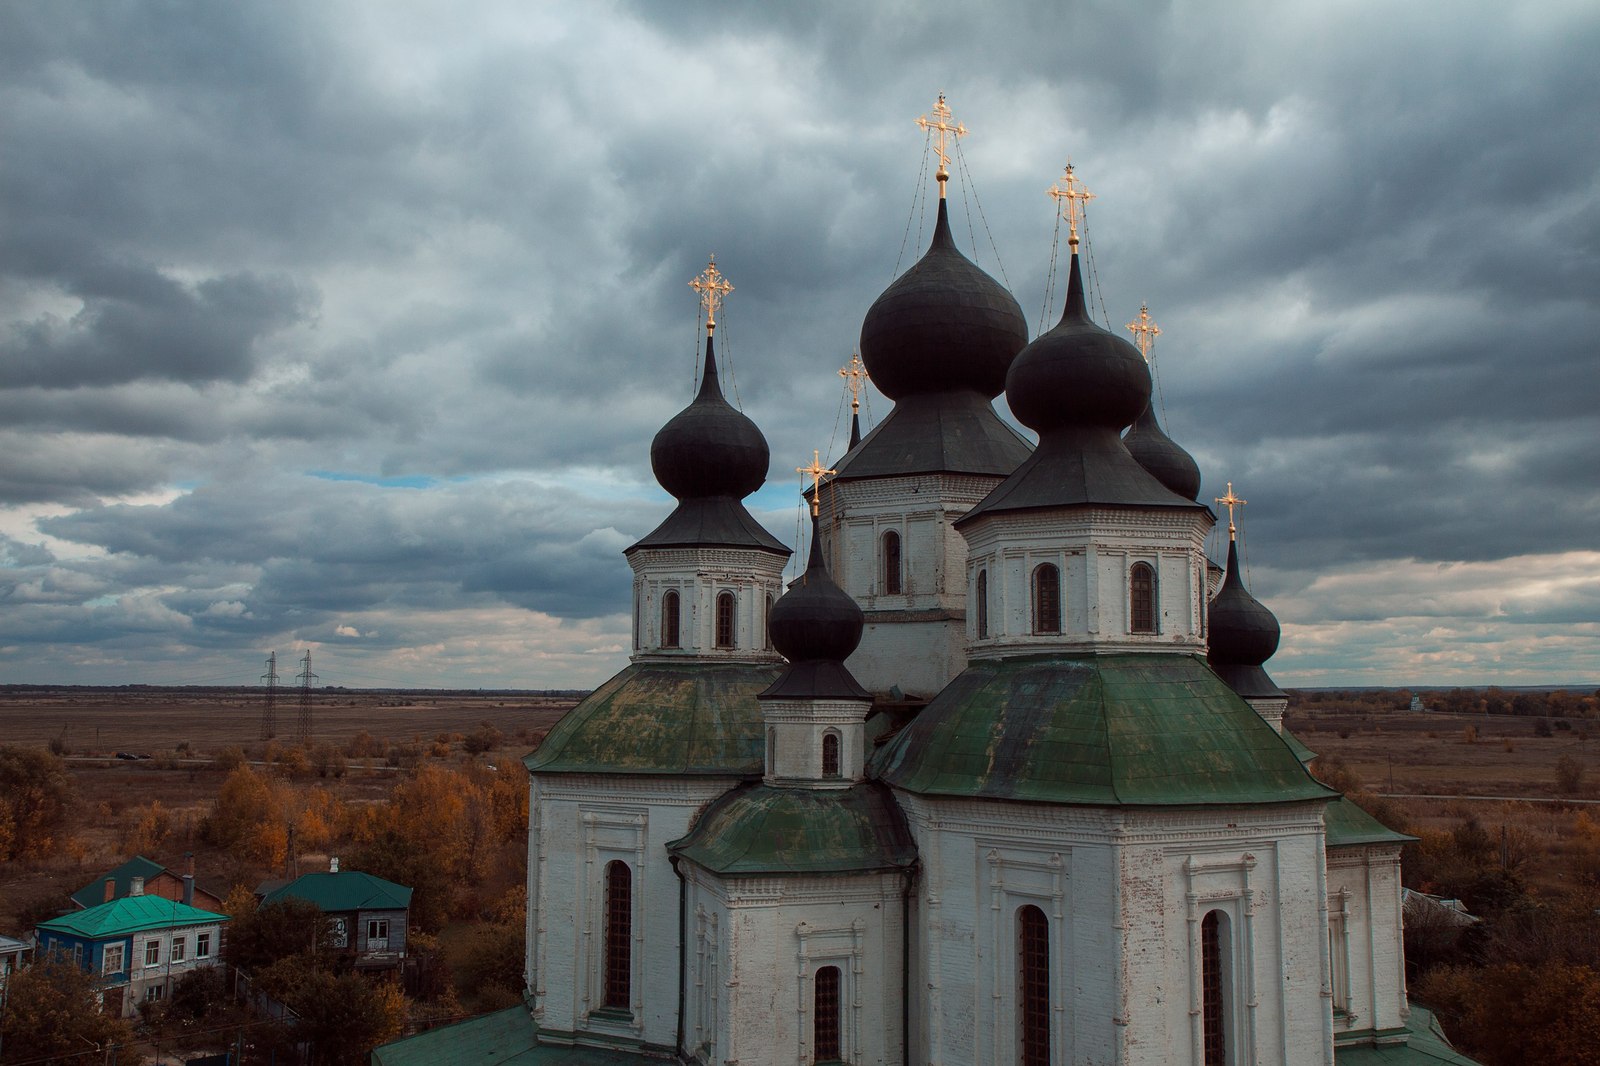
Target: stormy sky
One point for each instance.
(346, 326)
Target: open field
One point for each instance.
(154, 720)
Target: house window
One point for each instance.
(1142, 598)
(725, 606)
(153, 993)
(77, 954)
(1033, 986)
(825, 1024)
(152, 953)
(981, 594)
(670, 633)
(112, 960)
(1047, 599)
(618, 947)
(202, 945)
(830, 755)
(180, 948)
(891, 563)
(378, 930)
(1214, 964)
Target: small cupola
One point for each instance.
(1243, 632)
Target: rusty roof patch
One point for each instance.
(664, 718)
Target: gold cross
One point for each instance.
(1070, 189)
(855, 375)
(941, 124)
(1145, 331)
(1231, 501)
(817, 472)
(713, 289)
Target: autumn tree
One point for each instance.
(1509, 1014)
(274, 931)
(52, 1011)
(35, 794)
(343, 1017)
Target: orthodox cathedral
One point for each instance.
(998, 778)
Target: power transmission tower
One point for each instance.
(305, 679)
(269, 713)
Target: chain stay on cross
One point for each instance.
(855, 376)
(1145, 331)
(942, 127)
(1071, 196)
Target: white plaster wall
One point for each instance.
(699, 575)
(916, 639)
(1364, 897)
(1124, 892)
(577, 824)
(1095, 550)
(795, 729)
(768, 937)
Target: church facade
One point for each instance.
(1000, 778)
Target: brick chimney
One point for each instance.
(111, 889)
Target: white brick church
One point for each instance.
(999, 779)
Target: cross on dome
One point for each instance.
(1231, 501)
(855, 376)
(817, 472)
(1071, 195)
(941, 125)
(713, 289)
(1145, 331)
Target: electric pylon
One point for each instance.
(269, 713)
(305, 679)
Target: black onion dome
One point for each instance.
(815, 625)
(1243, 635)
(943, 325)
(709, 448)
(1158, 453)
(1078, 374)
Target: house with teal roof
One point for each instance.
(368, 916)
(139, 945)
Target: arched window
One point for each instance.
(891, 564)
(830, 755)
(825, 1015)
(766, 623)
(1047, 599)
(1214, 977)
(1033, 986)
(1142, 598)
(670, 637)
(618, 948)
(725, 606)
(981, 594)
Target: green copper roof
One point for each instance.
(131, 914)
(347, 890)
(505, 1038)
(95, 891)
(1348, 824)
(765, 830)
(1298, 746)
(1425, 1046)
(1095, 729)
(664, 718)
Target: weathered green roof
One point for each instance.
(1425, 1046)
(1124, 729)
(347, 890)
(767, 830)
(665, 718)
(95, 891)
(1348, 824)
(505, 1038)
(1298, 746)
(130, 914)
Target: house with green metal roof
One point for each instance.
(139, 945)
(368, 916)
(156, 879)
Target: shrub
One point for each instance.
(1569, 776)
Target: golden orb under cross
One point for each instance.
(713, 289)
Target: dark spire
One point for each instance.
(816, 626)
(1244, 634)
(855, 429)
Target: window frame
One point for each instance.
(106, 956)
(832, 745)
(725, 624)
(671, 619)
(202, 945)
(1046, 607)
(616, 943)
(827, 1015)
(980, 596)
(1033, 987)
(891, 556)
(1143, 619)
(152, 953)
(1216, 1000)
(179, 949)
